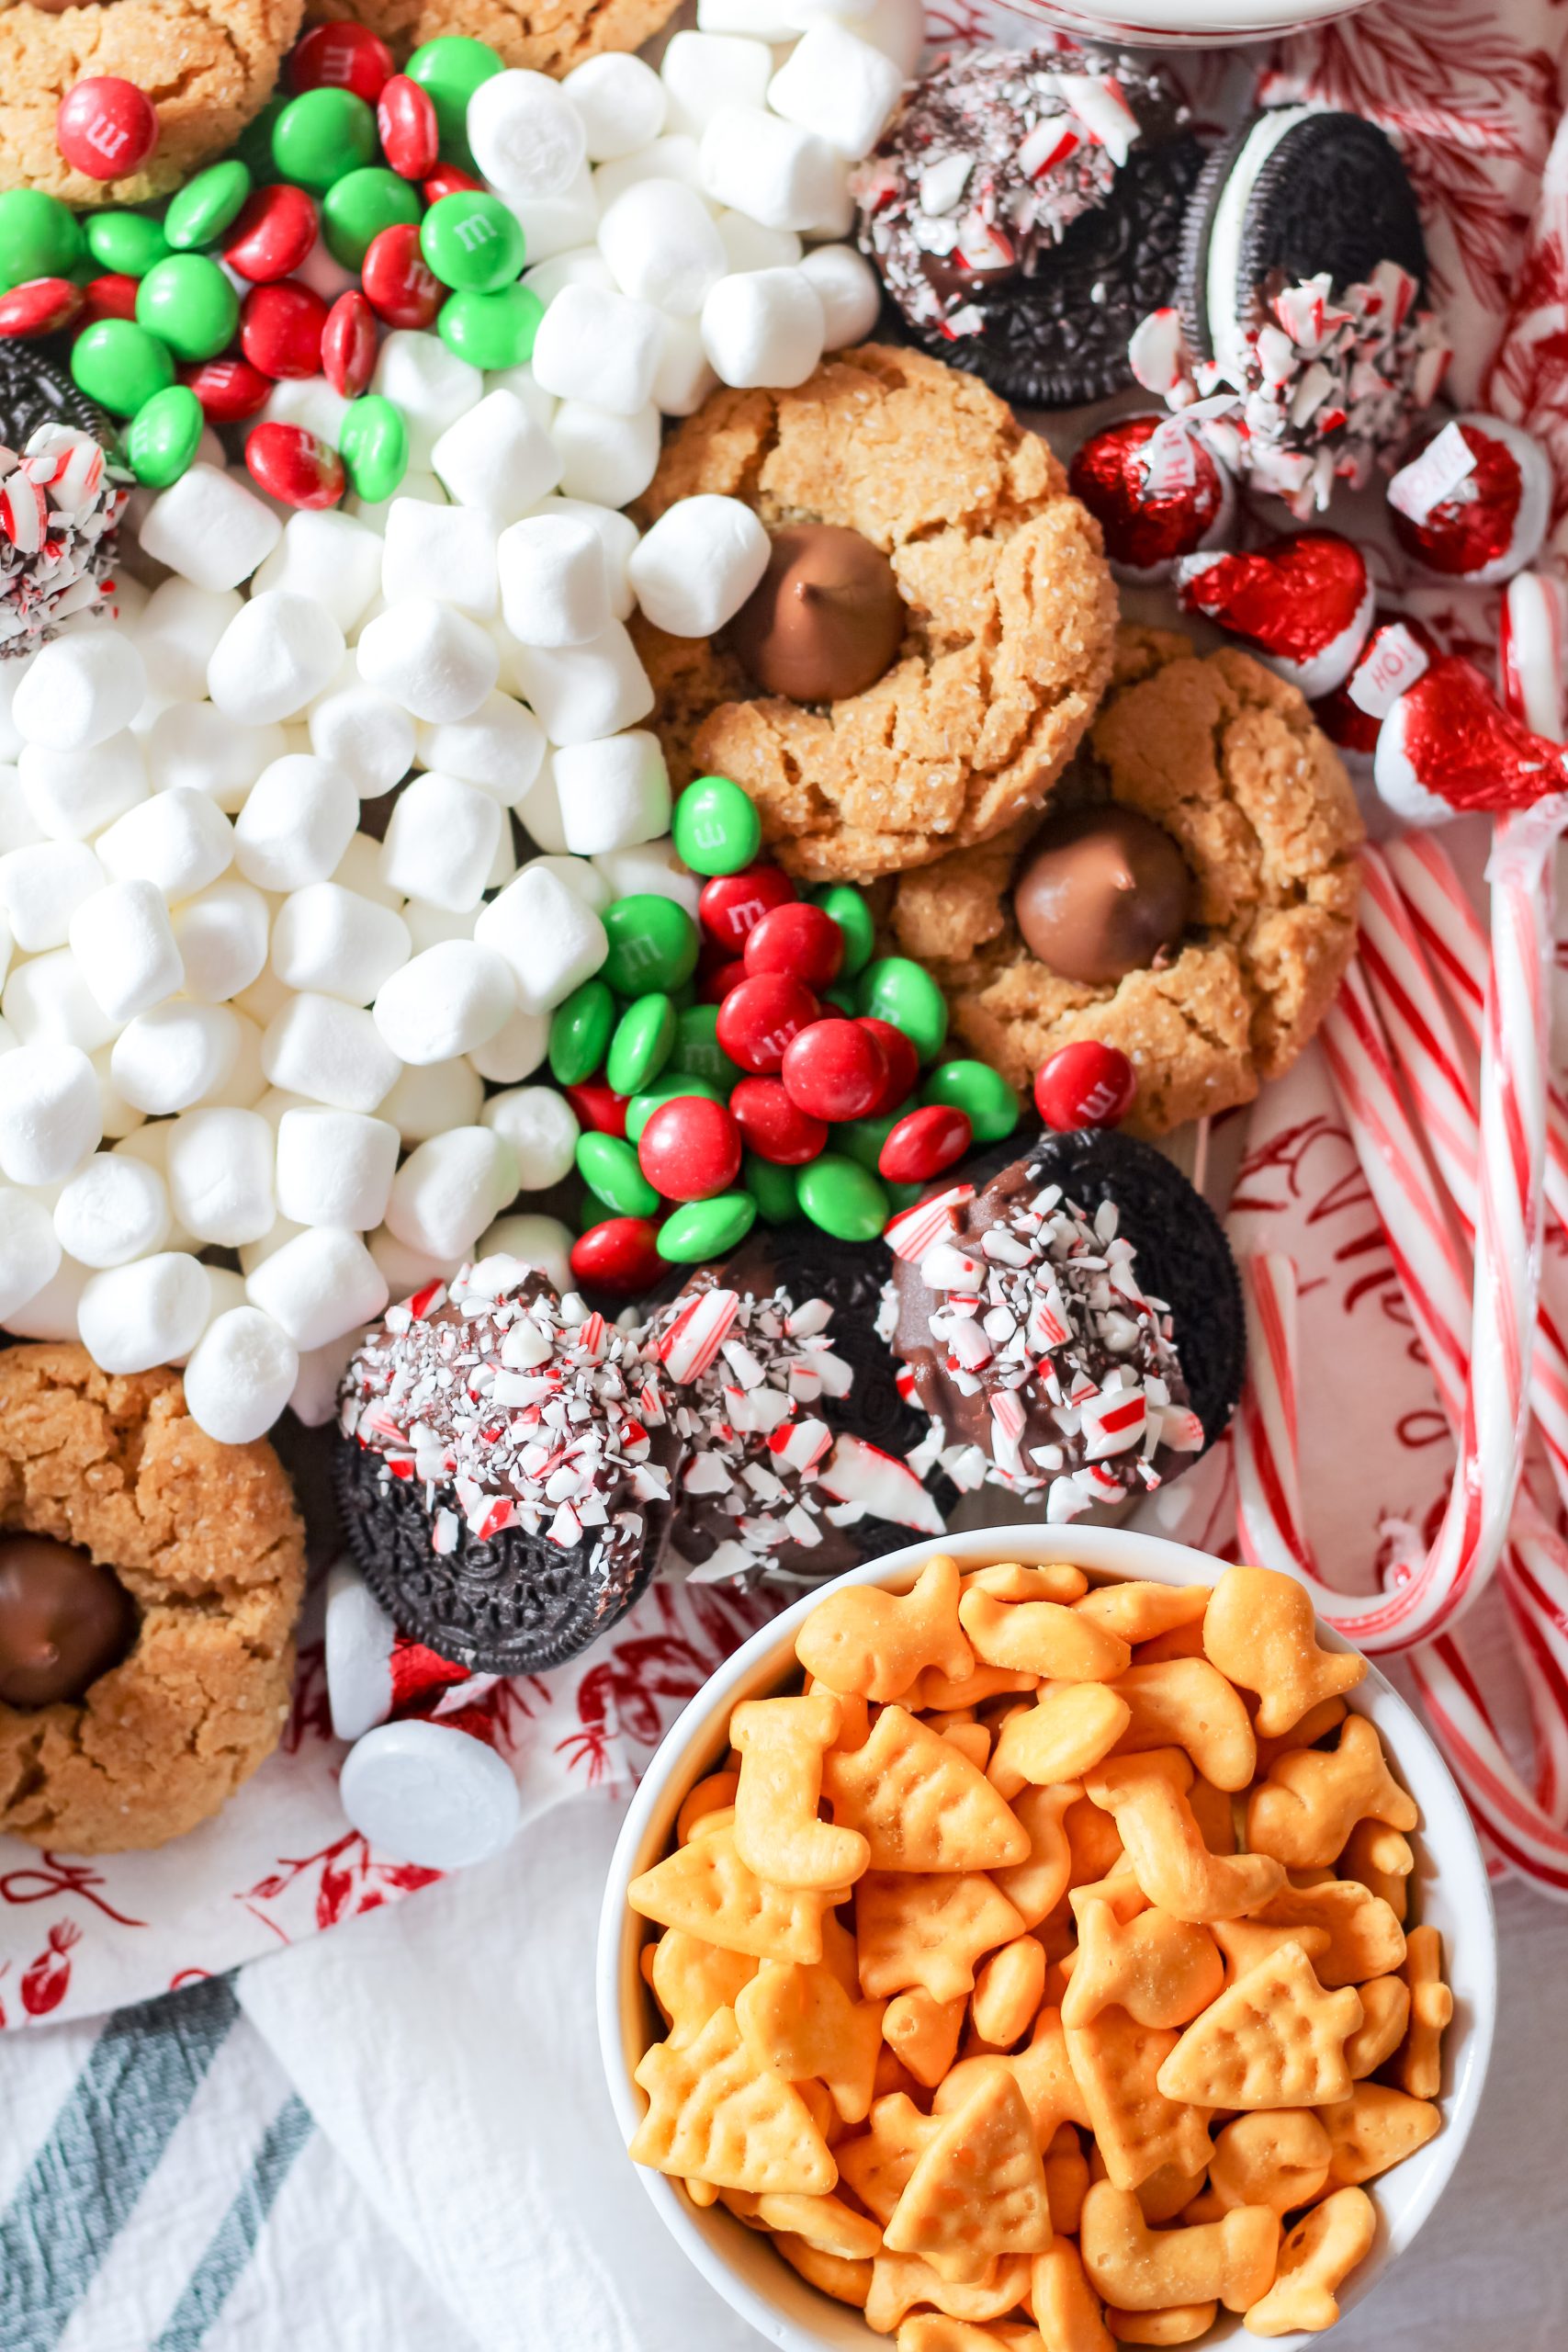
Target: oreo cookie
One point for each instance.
(36, 389)
(59, 504)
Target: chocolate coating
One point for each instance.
(64, 1621)
(1106, 892)
(825, 620)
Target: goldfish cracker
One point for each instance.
(973, 1740)
(1141, 1612)
(692, 1980)
(1278, 2158)
(1385, 2014)
(1008, 1988)
(782, 1744)
(1010, 1580)
(1136, 2128)
(710, 1796)
(1364, 1937)
(1067, 2179)
(878, 1643)
(802, 2023)
(713, 2114)
(1070, 1727)
(977, 2188)
(1374, 2128)
(1315, 2259)
(1187, 1704)
(899, 2281)
(1316, 1724)
(1094, 1842)
(1380, 1858)
(847, 2282)
(1274, 2039)
(928, 1930)
(1178, 2323)
(1165, 1851)
(1313, 1798)
(1162, 1970)
(1419, 2065)
(1041, 1637)
(923, 2033)
(1135, 2268)
(1066, 2306)
(706, 1888)
(1259, 1629)
(916, 1803)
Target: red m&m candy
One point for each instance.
(399, 285)
(760, 1017)
(797, 937)
(450, 179)
(903, 1063)
(280, 330)
(716, 980)
(836, 1070)
(732, 905)
(341, 57)
(690, 1148)
(407, 128)
(1085, 1085)
(273, 232)
(113, 295)
(106, 127)
(42, 306)
(598, 1106)
(774, 1127)
(348, 345)
(621, 1255)
(229, 390)
(924, 1143)
(295, 466)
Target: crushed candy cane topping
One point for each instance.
(58, 506)
(1327, 384)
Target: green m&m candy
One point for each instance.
(373, 442)
(716, 828)
(697, 1050)
(983, 1094)
(653, 943)
(253, 146)
(840, 1196)
(707, 1228)
(120, 366)
(472, 241)
(641, 1107)
(204, 208)
(358, 206)
(641, 1045)
(772, 1189)
(189, 303)
(609, 1168)
(38, 238)
(491, 330)
(581, 1029)
(450, 70)
(162, 437)
(321, 136)
(848, 909)
(895, 990)
(126, 242)
(862, 1139)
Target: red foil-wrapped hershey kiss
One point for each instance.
(1303, 603)
(1395, 654)
(1156, 491)
(1475, 502)
(1447, 746)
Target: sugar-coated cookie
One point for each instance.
(547, 35)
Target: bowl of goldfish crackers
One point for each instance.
(1056, 1941)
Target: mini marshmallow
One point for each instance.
(74, 795)
(41, 890)
(116, 1115)
(617, 537)
(766, 327)
(769, 20)
(578, 875)
(29, 1250)
(364, 734)
(441, 842)
(328, 556)
(540, 406)
(180, 840)
(446, 553)
(51, 1313)
(552, 940)
(337, 943)
(310, 402)
(193, 745)
(606, 457)
(663, 244)
(329, 1052)
(122, 939)
(276, 655)
(650, 869)
(897, 28)
(444, 1002)
(579, 692)
(497, 459)
(220, 934)
(167, 1059)
(47, 1000)
(540, 812)
(240, 1375)
(515, 1051)
(335, 1168)
(426, 1101)
(702, 72)
(437, 663)
(295, 827)
(612, 793)
(321, 1283)
(312, 1400)
(243, 1083)
(178, 627)
(148, 1313)
(428, 926)
(620, 101)
(500, 747)
(209, 528)
(19, 829)
(553, 224)
(838, 87)
(554, 589)
(256, 1253)
(750, 246)
(429, 385)
(407, 1270)
(783, 176)
(12, 673)
(80, 690)
(845, 284)
(219, 1170)
(683, 379)
(696, 567)
(528, 138)
(541, 1241)
(115, 1208)
(673, 157)
(598, 346)
(542, 1128)
(583, 265)
(449, 1188)
(372, 513)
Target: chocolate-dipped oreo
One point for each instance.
(1025, 208)
(59, 502)
(825, 620)
(64, 1619)
(1103, 891)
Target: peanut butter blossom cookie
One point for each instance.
(1192, 902)
(546, 35)
(932, 635)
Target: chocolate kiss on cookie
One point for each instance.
(1105, 891)
(64, 1619)
(826, 619)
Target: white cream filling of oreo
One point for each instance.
(1221, 279)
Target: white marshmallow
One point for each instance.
(219, 1167)
(12, 673)
(74, 795)
(168, 1057)
(256, 1253)
(579, 692)
(335, 1168)
(652, 869)
(444, 1002)
(897, 28)
(80, 690)
(541, 1241)
(612, 793)
(696, 567)
(578, 875)
(683, 379)
(115, 1208)
(243, 1083)
(764, 327)
(117, 1116)
(607, 459)
(426, 1101)
(441, 842)
(359, 868)
(310, 402)
(500, 747)
(366, 735)
(19, 829)
(313, 1397)
(437, 663)
(600, 346)
(539, 812)
(320, 1284)
(838, 87)
(554, 589)
(193, 745)
(449, 1188)
(528, 138)
(209, 528)
(147, 1313)
(408, 1270)
(617, 537)
(542, 1128)
(429, 385)
(41, 890)
(702, 72)
(295, 827)
(323, 275)
(446, 553)
(783, 176)
(337, 943)
(621, 102)
(519, 382)
(553, 224)
(175, 633)
(276, 655)
(180, 840)
(750, 246)
(328, 556)
(29, 1250)
(428, 926)
(662, 244)
(497, 459)
(122, 939)
(328, 1052)
(769, 20)
(515, 1051)
(48, 1000)
(550, 939)
(372, 513)
(845, 284)
(673, 157)
(220, 934)
(240, 1375)
(581, 266)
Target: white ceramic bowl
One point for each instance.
(1187, 24)
(1449, 1886)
